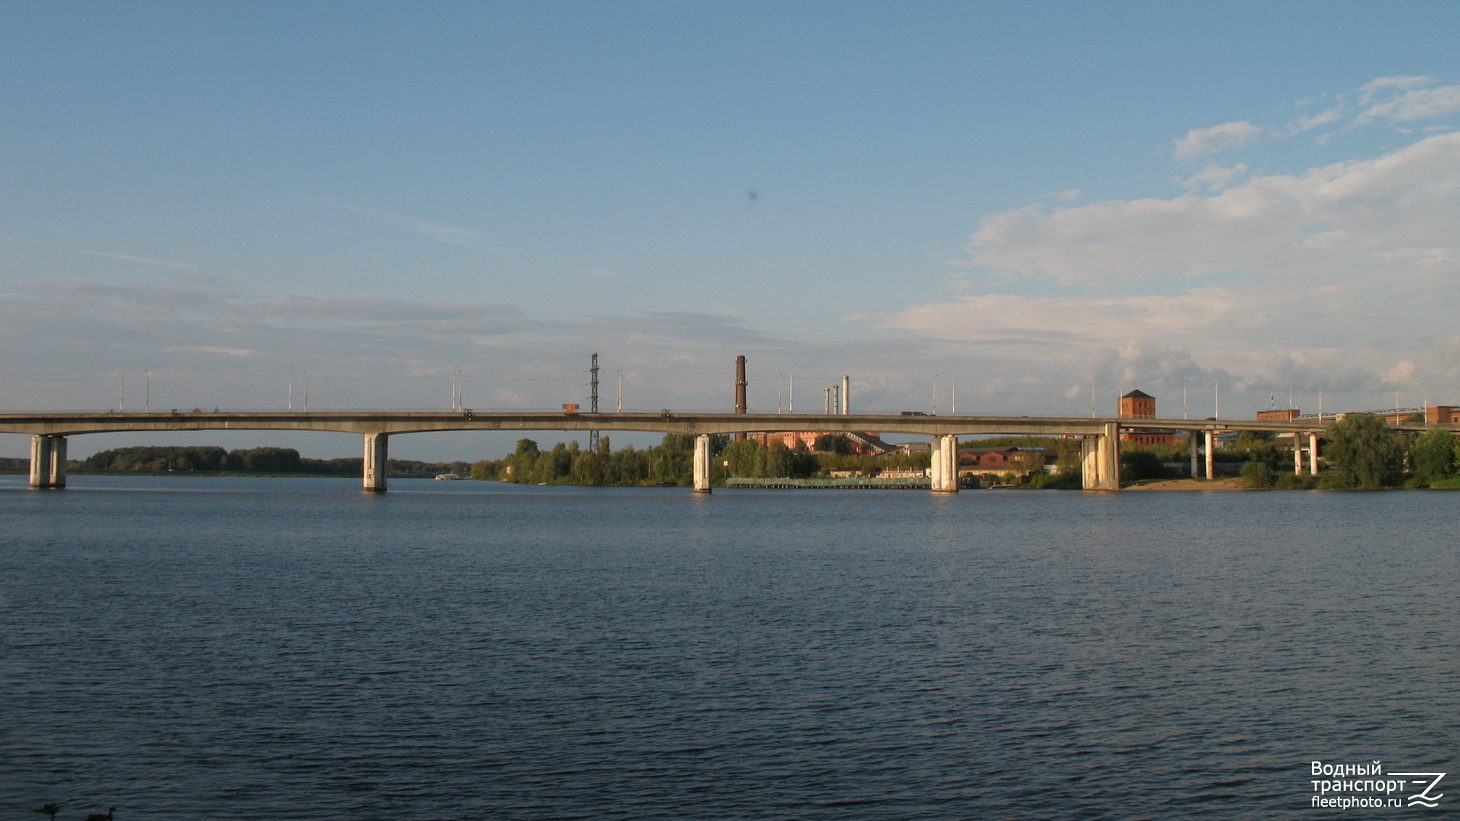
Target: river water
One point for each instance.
(293, 648)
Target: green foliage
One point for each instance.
(838, 443)
(1433, 455)
(208, 459)
(160, 459)
(1361, 444)
(1338, 479)
(1259, 476)
(1255, 446)
(1137, 464)
(1062, 480)
(1292, 481)
(1041, 442)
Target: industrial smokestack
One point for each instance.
(740, 406)
(846, 394)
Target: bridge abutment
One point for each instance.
(377, 457)
(47, 461)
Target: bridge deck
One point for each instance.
(392, 422)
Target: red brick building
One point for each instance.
(1141, 405)
(1442, 415)
(980, 461)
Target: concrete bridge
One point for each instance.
(1100, 437)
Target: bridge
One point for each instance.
(1100, 437)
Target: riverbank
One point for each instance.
(1220, 483)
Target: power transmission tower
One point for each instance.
(593, 404)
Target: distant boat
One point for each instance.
(441, 476)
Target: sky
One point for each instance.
(981, 208)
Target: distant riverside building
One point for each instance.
(1141, 405)
(1442, 415)
(986, 461)
(1286, 415)
(864, 443)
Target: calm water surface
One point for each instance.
(282, 649)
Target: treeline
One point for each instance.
(1363, 452)
(210, 459)
(671, 463)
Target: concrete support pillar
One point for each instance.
(1313, 453)
(1297, 454)
(1110, 457)
(1100, 459)
(376, 459)
(47, 461)
(945, 464)
(56, 472)
(1195, 452)
(702, 463)
(1211, 454)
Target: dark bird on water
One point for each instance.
(52, 808)
(96, 816)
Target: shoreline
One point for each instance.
(1220, 483)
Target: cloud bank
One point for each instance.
(1331, 275)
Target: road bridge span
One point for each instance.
(1100, 436)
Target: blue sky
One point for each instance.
(204, 202)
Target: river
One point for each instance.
(198, 648)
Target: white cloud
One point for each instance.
(159, 263)
(1385, 85)
(1214, 177)
(1343, 268)
(1199, 142)
(1418, 104)
(443, 233)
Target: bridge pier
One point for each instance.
(944, 467)
(702, 463)
(1211, 454)
(1195, 454)
(1313, 453)
(47, 461)
(1100, 459)
(376, 459)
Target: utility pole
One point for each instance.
(593, 403)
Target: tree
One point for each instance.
(1361, 445)
(1433, 455)
(838, 443)
(1259, 475)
